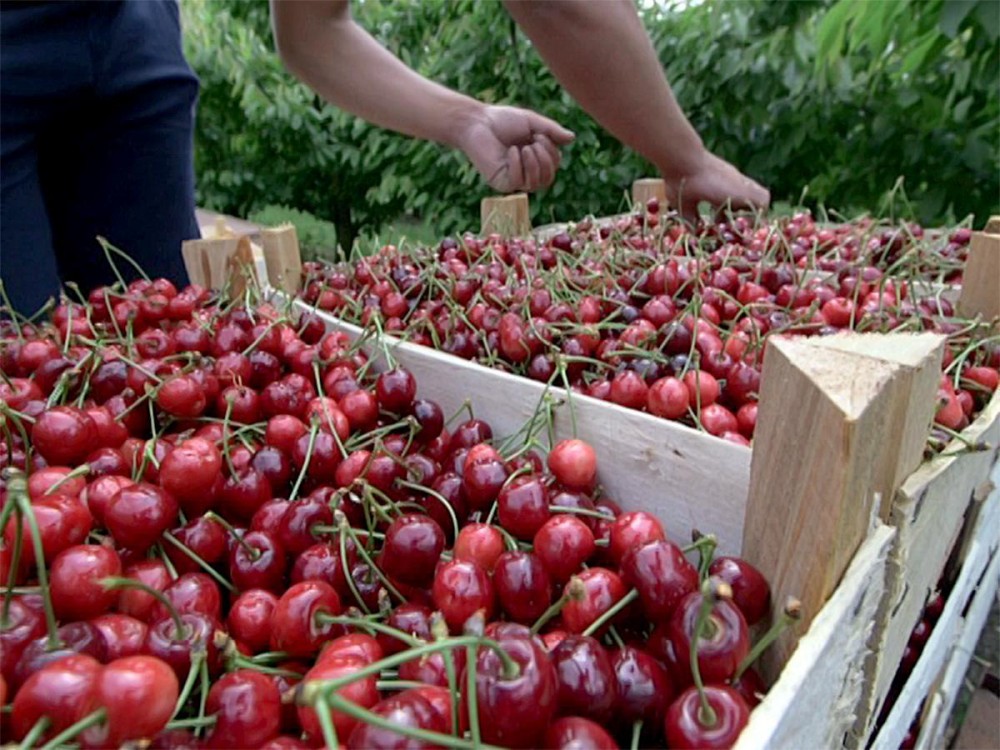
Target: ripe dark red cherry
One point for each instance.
(247, 709)
(522, 585)
(751, 592)
(662, 576)
(75, 581)
(413, 546)
(585, 677)
(686, 727)
(462, 588)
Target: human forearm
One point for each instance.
(600, 52)
(327, 50)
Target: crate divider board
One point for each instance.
(683, 467)
(946, 655)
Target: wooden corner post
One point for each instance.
(509, 215)
(646, 188)
(981, 278)
(283, 257)
(841, 421)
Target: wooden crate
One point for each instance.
(690, 479)
(881, 566)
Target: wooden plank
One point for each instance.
(224, 263)
(509, 215)
(283, 257)
(928, 512)
(992, 225)
(699, 481)
(645, 189)
(812, 703)
(981, 278)
(948, 632)
(830, 409)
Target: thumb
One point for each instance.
(555, 132)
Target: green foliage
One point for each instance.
(317, 238)
(833, 101)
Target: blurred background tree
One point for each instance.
(833, 103)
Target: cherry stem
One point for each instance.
(613, 610)
(317, 689)
(472, 695)
(225, 437)
(203, 698)
(705, 544)
(17, 489)
(197, 721)
(362, 624)
(636, 733)
(706, 714)
(192, 675)
(574, 591)
(431, 738)
(253, 552)
(437, 495)
(790, 614)
(346, 527)
(313, 429)
(117, 582)
(72, 731)
(219, 578)
(15, 560)
(79, 471)
(35, 734)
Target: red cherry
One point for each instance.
(395, 390)
(522, 506)
(181, 396)
(126, 685)
(563, 544)
(602, 589)
(532, 695)
(75, 581)
(642, 687)
(295, 627)
(295, 531)
(64, 435)
(585, 677)
(362, 692)
(669, 398)
(751, 592)
(412, 548)
(258, 562)
(138, 515)
(662, 576)
(63, 690)
(577, 733)
(522, 585)
(724, 643)
(462, 588)
(175, 647)
(249, 618)
(574, 464)
(247, 709)
(410, 618)
(686, 727)
(191, 592)
(407, 709)
(631, 530)
(135, 602)
(123, 635)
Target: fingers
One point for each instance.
(550, 129)
(532, 169)
(514, 176)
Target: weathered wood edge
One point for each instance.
(813, 702)
(940, 646)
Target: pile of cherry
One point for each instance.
(222, 528)
(644, 313)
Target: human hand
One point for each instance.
(513, 149)
(717, 182)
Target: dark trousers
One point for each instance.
(96, 129)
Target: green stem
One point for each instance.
(69, 733)
(219, 578)
(573, 591)
(305, 464)
(612, 611)
(115, 582)
(322, 709)
(636, 733)
(192, 675)
(706, 714)
(791, 613)
(363, 624)
(17, 488)
(472, 695)
(35, 734)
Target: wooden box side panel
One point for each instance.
(979, 571)
(813, 703)
(688, 479)
(928, 512)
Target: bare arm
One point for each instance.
(602, 55)
(320, 43)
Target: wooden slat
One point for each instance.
(689, 479)
(812, 704)
(929, 512)
(508, 215)
(826, 447)
(941, 649)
